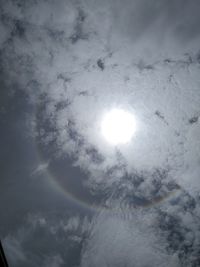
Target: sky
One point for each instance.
(68, 198)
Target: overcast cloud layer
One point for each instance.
(73, 61)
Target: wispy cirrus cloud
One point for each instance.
(75, 61)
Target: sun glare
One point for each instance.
(118, 126)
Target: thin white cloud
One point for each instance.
(41, 168)
(118, 241)
(13, 250)
(53, 261)
(46, 240)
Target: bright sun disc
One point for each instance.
(118, 126)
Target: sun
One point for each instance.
(118, 126)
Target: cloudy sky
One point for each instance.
(68, 198)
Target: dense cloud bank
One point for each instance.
(74, 61)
